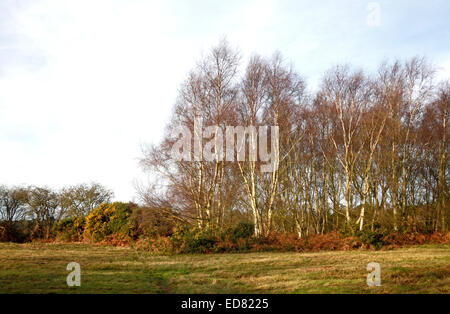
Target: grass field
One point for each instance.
(41, 268)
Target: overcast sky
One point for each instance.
(83, 84)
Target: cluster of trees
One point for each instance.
(364, 151)
(32, 212)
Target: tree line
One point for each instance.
(32, 212)
(366, 151)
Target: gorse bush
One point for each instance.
(374, 238)
(108, 219)
(70, 229)
(187, 239)
(242, 230)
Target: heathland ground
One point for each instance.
(41, 268)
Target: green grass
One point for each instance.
(41, 268)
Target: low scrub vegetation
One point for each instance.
(150, 229)
(194, 241)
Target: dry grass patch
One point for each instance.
(41, 268)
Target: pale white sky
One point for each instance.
(84, 83)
